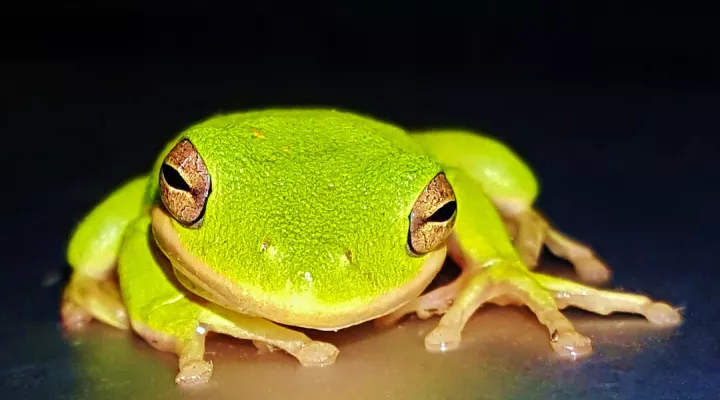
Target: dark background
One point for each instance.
(616, 108)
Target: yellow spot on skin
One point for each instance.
(256, 132)
(286, 149)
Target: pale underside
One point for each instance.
(305, 312)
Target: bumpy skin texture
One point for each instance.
(307, 225)
(302, 200)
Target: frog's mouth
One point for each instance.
(209, 284)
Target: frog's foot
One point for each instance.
(187, 340)
(568, 293)
(194, 372)
(432, 303)
(193, 369)
(505, 283)
(86, 298)
(261, 331)
(530, 231)
(182, 328)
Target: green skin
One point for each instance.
(307, 225)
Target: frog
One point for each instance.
(267, 225)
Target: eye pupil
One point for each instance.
(173, 178)
(444, 213)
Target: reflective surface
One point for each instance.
(504, 355)
(631, 170)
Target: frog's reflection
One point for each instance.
(504, 356)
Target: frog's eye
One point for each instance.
(432, 217)
(185, 184)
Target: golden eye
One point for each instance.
(432, 217)
(185, 184)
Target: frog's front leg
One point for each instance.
(181, 327)
(492, 272)
(504, 282)
(92, 253)
(261, 331)
(172, 319)
(496, 281)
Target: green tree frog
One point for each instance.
(250, 224)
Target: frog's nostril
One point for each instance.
(264, 244)
(349, 255)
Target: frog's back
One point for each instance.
(322, 135)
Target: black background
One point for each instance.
(615, 106)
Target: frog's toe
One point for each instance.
(435, 302)
(588, 266)
(662, 314)
(604, 302)
(74, 317)
(194, 373)
(571, 344)
(438, 301)
(317, 354)
(263, 347)
(442, 339)
(528, 255)
(593, 271)
(86, 298)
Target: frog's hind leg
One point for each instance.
(511, 185)
(530, 231)
(604, 302)
(92, 253)
(86, 298)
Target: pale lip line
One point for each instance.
(217, 289)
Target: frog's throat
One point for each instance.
(207, 283)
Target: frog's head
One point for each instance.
(311, 218)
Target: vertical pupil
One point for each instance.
(173, 178)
